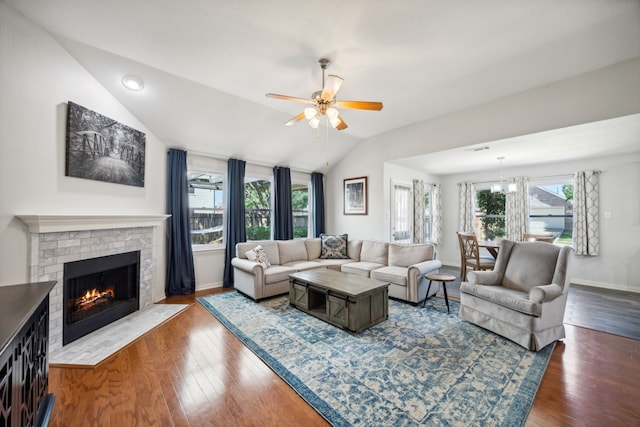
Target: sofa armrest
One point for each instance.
(482, 277)
(425, 267)
(545, 293)
(247, 266)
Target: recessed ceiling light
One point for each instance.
(133, 83)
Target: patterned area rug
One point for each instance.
(421, 366)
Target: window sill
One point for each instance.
(207, 248)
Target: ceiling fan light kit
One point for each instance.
(324, 103)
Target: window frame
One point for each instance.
(197, 247)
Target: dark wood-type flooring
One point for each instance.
(191, 371)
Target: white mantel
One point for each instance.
(62, 223)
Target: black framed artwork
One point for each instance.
(355, 196)
(103, 149)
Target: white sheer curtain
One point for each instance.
(586, 228)
(517, 209)
(466, 206)
(418, 211)
(436, 231)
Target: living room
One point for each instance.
(39, 76)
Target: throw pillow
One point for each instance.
(333, 247)
(251, 255)
(261, 257)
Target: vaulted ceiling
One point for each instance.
(208, 64)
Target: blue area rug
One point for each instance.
(420, 367)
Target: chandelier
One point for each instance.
(502, 184)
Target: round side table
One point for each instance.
(444, 278)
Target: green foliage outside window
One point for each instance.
(491, 209)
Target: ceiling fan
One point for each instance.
(324, 103)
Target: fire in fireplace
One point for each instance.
(99, 291)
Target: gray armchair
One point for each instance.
(524, 297)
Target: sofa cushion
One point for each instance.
(303, 265)
(354, 247)
(361, 268)
(314, 248)
(375, 252)
(292, 250)
(509, 298)
(407, 255)
(392, 274)
(333, 264)
(522, 275)
(277, 273)
(333, 247)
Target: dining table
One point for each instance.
(490, 245)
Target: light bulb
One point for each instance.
(314, 122)
(310, 113)
(334, 121)
(332, 113)
(133, 83)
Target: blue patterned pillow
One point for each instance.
(333, 247)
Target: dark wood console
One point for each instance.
(24, 364)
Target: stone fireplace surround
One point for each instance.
(57, 239)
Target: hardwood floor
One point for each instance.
(191, 371)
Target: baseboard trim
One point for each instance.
(207, 286)
(614, 286)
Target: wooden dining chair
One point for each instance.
(548, 238)
(470, 255)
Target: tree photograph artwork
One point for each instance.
(103, 149)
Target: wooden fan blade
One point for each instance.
(360, 105)
(331, 86)
(295, 120)
(289, 98)
(342, 125)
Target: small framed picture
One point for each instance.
(355, 196)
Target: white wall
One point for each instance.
(37, 78)
(603, 94)
(616, 267)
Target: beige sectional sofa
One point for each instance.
(402, 265)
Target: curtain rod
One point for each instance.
(565, 175)
(253, 163)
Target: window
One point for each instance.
(257, 202)
(551, 209)
(490, 214)
(206, 206)
(300, 205)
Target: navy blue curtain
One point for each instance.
(181, 277)
(317, 191)
(236, 231)
(282, 208)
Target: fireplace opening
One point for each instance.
(99, 291)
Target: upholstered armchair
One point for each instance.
(524, 297)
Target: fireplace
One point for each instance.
(98, 291)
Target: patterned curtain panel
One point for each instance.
(466, 204)
(586, 228)
(418, 211)
(517, 210)
(436, 233)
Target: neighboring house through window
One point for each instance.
(551, 208)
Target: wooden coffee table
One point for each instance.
(347, 301)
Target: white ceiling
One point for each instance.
(208, 64)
